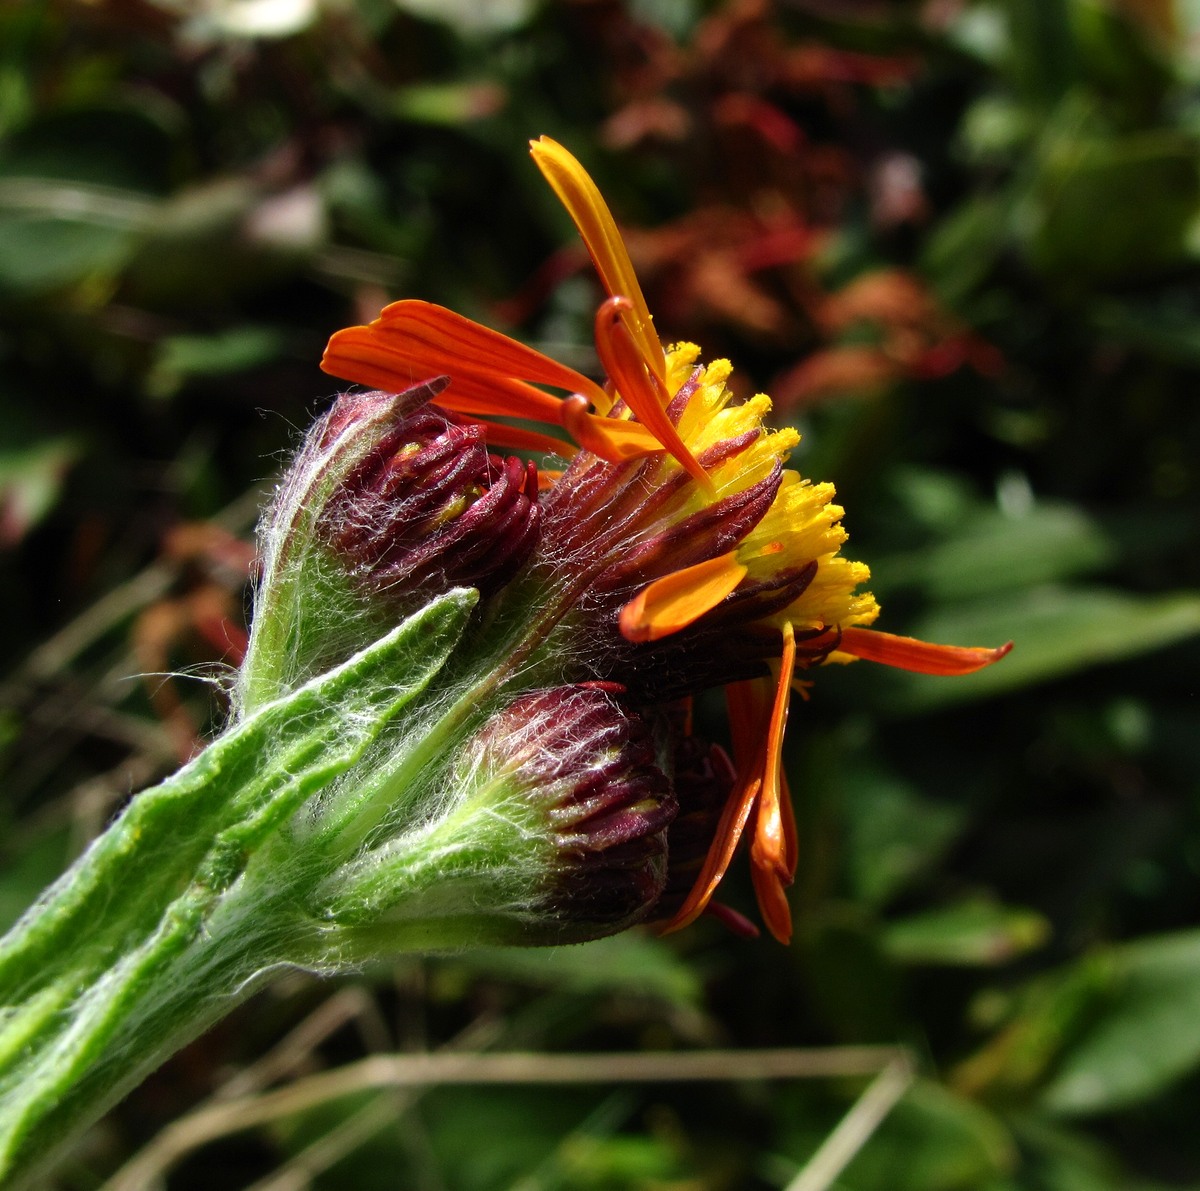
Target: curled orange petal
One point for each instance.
(720, 854)
(357, 354)
(749, 702)
(613, 439)
(749, 705)
(772, 854)
(642, 391)
(676, 600)
(490, 372)
(770, 892)
(458, 343)
(518, 438)
(922, 657)
(587, 208)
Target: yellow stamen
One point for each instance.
(674, 601)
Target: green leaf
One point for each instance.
(1167, 327)
(972, 933)
(199, 882)
(965, 246)
(38, 254)
(1043, 56)
(893, 834)
(212, 355)
(1081, 229)
(994, 126)
(1145, 1037)
(121, 146)
(450, 104)
(235, 350)
(850, 983)
(1037, 1024)
(1058, 1159)
(486, 1142)
(994, 551)
(216, 811)
(76, 190)
(933, 1141)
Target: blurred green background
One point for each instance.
(958, 243)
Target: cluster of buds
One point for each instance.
(464, 712)
(673, 553)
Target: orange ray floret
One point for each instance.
(413, 340)
(359, 354)
(518, 438)
(587, 208)
(676, 600)
(428, 335)
(922, 657)
(720, 855)
(773, 852)
(762, 784)
(642, 390)
(614, 439)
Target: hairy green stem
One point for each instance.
(325, 829)
(202, 885)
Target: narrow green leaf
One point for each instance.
(1080, 224)
(892, 833)
(31, 477)
(932, 1140)
(994, 551)
(237, 790)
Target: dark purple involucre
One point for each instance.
(429, 507)
(592, 765)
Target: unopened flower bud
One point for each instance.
(590, 767)
(387, 504)
(430, 508)
(549, 826)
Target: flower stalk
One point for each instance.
(196, 890)
(463, 717)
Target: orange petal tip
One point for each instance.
(720, 854)
(680, 598)
(596, 226)
(919, 657)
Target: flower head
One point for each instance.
(677, 550)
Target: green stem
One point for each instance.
(199, 888)
(106, 1020)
